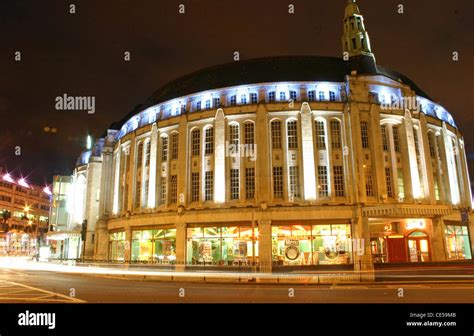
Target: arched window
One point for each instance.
(234, 134)
(320, 134)
(336, 141)
(209, 140)
(164, 148)
(249, 138)
(174, 146)
(195, 142)
(276, 134)
(292, 134)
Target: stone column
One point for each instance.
(438, 241)
(219, 158)
(361, 247)
(413, 165)
(102, 240)
(180, 244)
(377, 156)
(265, 245)
(151, 202)
(450, 161)
(128, 244)
(183, 156)
(309, 176)
(427, 162)
(263, 150)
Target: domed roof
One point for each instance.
(268, 70)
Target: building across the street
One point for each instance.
(281, 162)
(24, 215)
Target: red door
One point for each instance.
(396, 249)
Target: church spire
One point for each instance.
(355, 39)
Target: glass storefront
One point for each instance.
(117, 246)
(311, 244)
(157, 245)
(221, 246)
(457, 242)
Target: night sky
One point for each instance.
(83, 54)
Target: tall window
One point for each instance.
(321, 95)
(332, 96)
(183, 108)
(253, 98)
(174, 146)
(164, 148)
(293, 95)
(147, 153)
(249, 183)
(234, 184)
(320, 134)
(249, 133)
(194, 187)
(401, 183)
(209, 141)
(271, 96)
(323, 181)
(138, 192)
(276, 134)
(233, 100)
(388, 181)
(198, 106)
(369, 186)
(163, 190)
(431, 142)
(383, 130)
(311, 95)
(216, 102)
(292, 131)
(234, 134)
(278, 182)
(336, 142)
(208, 104)
(195, 142)
(339, 181)
(396, 139)
(243, 98)
(364, 132)
(174, 189)
(282, 95)
(294, 182)
(209, 186)
(139, 155)
(417, 143)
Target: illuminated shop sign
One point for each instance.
(415, 224)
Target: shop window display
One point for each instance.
(311, 244)
(457, 242)
(117, 246)
(157, 245)
(230, 246)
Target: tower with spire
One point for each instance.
(355, 39)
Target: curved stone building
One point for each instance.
(282, 162)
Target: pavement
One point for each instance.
(47, 286)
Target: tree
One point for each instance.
(6, 215)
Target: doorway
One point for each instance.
(418, 247)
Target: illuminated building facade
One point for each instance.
(24, 215)
(282, 162)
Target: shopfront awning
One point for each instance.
(406, 210)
